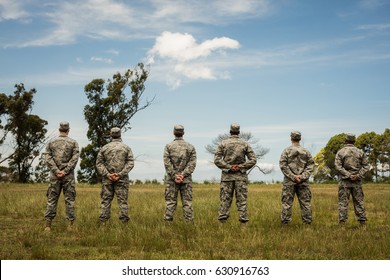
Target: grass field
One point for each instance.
(148, 237)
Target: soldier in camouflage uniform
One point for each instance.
(352, 165)
(179, 162)
(234, 156)
(61, 155)
(113, 163)
(296, 163)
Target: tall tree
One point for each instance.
(334, 144)
(112, 103)
(27, 130)
(370, 143)
(247, 136)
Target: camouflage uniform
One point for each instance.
(62, 154)
(351, 161)
(296, 161)
(179, 158)
(234, 151)
(114, 158)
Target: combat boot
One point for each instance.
(363, 225)
(48, 225)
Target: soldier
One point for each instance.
(296, 163)
(179, 162)
(61, 155)
(234, 156)
(352, 165)
(113, 163)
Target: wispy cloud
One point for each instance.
(69, 21)
(12, 10)
(374, 27)
(102, 59)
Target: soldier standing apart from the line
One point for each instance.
(297, 165)
(113, 163)
(61, 155)
(352, 165)
(179, 162)
(234, 156)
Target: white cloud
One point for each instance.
(101, 59)
(186, 57)
(12, 10)
(375, 27)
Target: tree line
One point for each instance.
(113, 102)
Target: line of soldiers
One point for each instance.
(234, 156)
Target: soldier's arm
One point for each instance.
(169, 168)
(50, 162)
(218, 159)
(308, 168)
(338, 163)
(74, 159)
(250, 161)
(190, 167)
(129, 164)
(283, 164)
(100, 165)
(365, 166)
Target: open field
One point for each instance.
(148, 237)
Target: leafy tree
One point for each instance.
(41, 171)
(370, 143)
(27, 130)
(3, 113)
(332, 147)
(247, 136)
(321, 171)
(112, 103)
(384, 155)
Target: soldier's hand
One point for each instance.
(354, 177)
(60, 174)
(235, 168)
(179, 178)
(298, 178)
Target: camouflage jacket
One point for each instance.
(296, 160)
(179, 158)
(234, 151)
(351, 161)
(62, 153)
(115, 157)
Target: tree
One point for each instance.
(324, 160)
(247, 136)
(370, 143)
(112, 103)
(27, 130)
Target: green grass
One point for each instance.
(147, 236)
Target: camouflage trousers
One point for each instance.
(109, 189)
(303, 193)
(346, 189)
(227, 191)
(171, 194)
(68, 186)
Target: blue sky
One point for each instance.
(320, 67)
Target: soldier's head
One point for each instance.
(178, 130)
(64, 127)
(350, 138)
(234, 129)
(115, 133)
(295, 136)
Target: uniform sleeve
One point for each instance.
(308, 168)
(100, 164)
(338, 163)
(365, 166)
(129, 165)
(250, 161)
(169, 168)
(71, 165)
(50, 162)
(190, 167)
(283, 164)
(219, 159)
